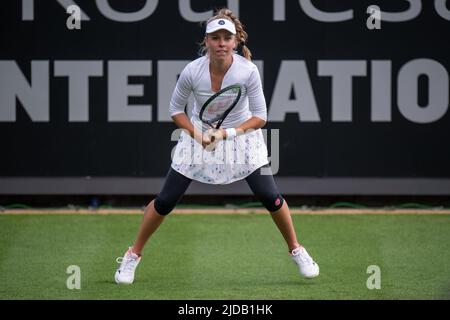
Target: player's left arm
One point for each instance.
(257, 107)
(256, 104)
(253, 123)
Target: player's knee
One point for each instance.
(273, 203)
(163, 207)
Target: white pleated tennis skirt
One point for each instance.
(231, 160)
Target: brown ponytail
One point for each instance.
(241, 35)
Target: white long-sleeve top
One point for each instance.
(196, 79)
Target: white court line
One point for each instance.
(341, 211)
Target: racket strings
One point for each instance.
(216, 108)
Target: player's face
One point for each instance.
(220, 44)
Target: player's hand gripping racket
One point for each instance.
(219, 105)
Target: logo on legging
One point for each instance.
(277, 202)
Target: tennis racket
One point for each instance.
(219, 105)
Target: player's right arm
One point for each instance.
(182, 121)
(179, 99)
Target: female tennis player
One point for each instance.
(219, 156)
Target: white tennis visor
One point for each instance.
(219, 24)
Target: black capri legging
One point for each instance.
(263, 187)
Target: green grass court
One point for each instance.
(226, 257)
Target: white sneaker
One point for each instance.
(306, 265)
(128, 264)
